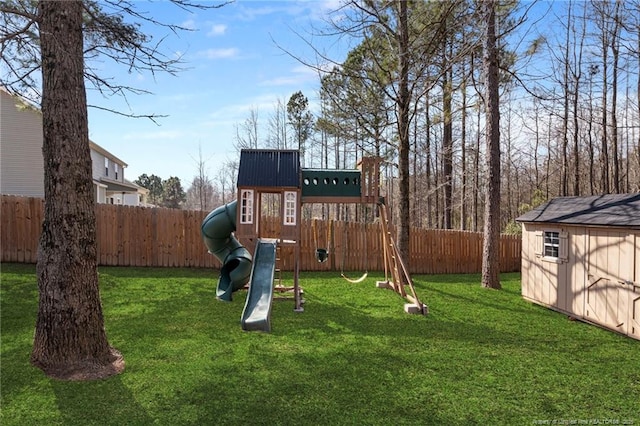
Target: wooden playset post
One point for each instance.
(369, 179)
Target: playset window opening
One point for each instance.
(290, 208)
(246, 206)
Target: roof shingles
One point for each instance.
(618, 210)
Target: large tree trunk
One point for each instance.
(447, 141)
(70, 341)
(615, 156)
(427, 148)
(463, 152)
(491, 247)
(404, 103)
(564, 176)
(604, 154)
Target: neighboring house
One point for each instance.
(581, 256)
(108, 178)
(22, 165)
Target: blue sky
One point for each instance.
(233, 65)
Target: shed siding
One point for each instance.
(611, 266)
(21, 163)
(543, 280)
(578, 253)
(599, 283)
(530, 271)
(634, 293)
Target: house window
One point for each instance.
(106, 166)
(246, 206)
(551, 244)
(290, 208)
(115, 169)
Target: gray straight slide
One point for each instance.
(256, 315)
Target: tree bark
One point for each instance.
(564, 177)
(463, 152)
(428, 160)
(615, 51)
(604, 154)
(404, 103)
(447, 140)
(491, 246)
(70, 342)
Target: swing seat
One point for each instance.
(322, 255)
(357, 280)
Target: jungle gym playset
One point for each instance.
(278, 172)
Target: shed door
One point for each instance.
(610, 266)
(605, 303)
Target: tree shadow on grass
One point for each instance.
(103, 402)
(485, 302)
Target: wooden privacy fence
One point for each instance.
(139, 236)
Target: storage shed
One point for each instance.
(581, 256)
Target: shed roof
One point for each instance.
(619, 210)
(269, 168)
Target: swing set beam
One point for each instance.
(321, 189)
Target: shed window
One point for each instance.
(289, 208)
(246, 206)
(551, 244)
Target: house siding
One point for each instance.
(97, 164)
(21, 163)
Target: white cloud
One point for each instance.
(299, 75)
(281, 81)
(228, 52)
(238, 112)
(251, 13)
(155, 135)
(189, 24)
(217, 29)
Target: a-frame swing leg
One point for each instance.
(399, 271)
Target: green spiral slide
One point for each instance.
(217, 232)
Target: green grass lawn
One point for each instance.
(352, 358)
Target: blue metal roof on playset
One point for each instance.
(269, 168)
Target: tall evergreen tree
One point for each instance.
(154, 184)
(491, 244)
(57, 38)
(300, 120)
(173, 194)
(70, 340)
